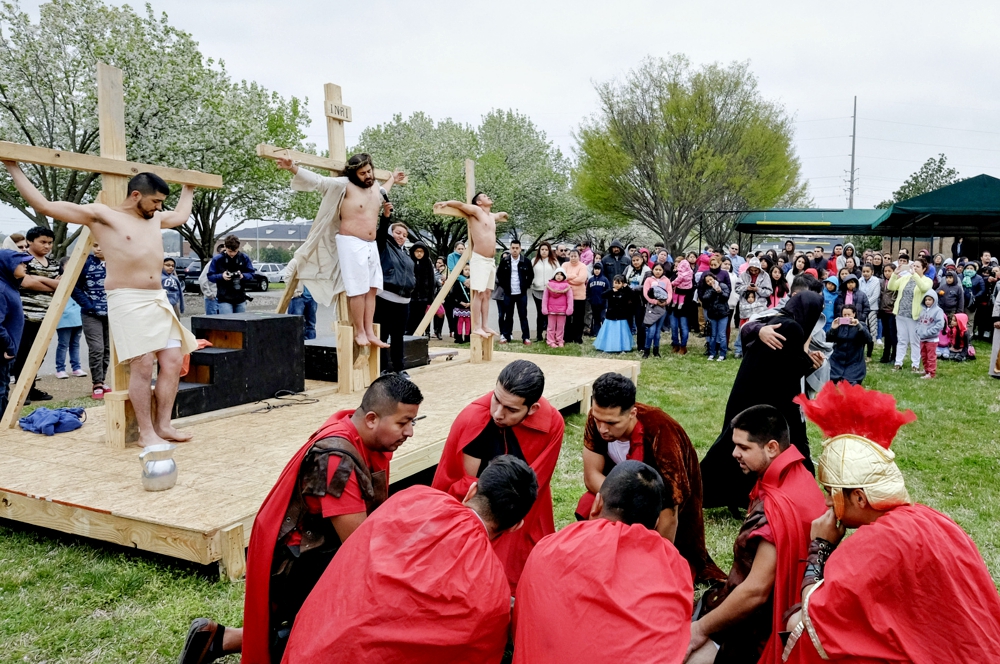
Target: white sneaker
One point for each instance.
(720, 359)
(62, 374)
(79, 372)
(710, 358)
(879, 342)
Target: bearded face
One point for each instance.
(363, 177)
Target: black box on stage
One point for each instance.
(321, 356)
(252, 356)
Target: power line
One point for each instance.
(845, 117)
(931, 145)
(912, 124)
(822, 138)
(918, 161)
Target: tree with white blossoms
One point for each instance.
(181, 110)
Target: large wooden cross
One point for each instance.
(357, 366)
(481, 349)
(115, 173)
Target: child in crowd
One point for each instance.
(596, 286)
(872, 290)
(69, 330)
(12, 271)
(557, 304)
(461, 302)
(656, 312)
(849, 337)
(929, 324)
(714, 296)
(172, 285)
(615, 336)
(830, 294)
(751, 304)
(957, 334)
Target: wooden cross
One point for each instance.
(357, 366)
(481, 348)
(115, 173)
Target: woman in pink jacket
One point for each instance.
(577, 275)
(653, 330)
(557, 304)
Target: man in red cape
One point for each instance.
(611, 589)
(322, 496)
(617, 429)
(418, 582)
(513, 419)
(744, 617)
(909, 585)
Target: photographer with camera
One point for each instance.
(232, 271)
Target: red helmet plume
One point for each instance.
(851, 409)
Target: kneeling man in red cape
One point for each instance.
(418, 582)
(324, 493)
(513, 419)
(611, 589)
(909, 585)
(740, 621)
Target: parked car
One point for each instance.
(191, 274)
(273, 272)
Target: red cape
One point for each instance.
(264, 537)
(540, 437)
(910, 587)
(602, 591)
(792, 501)
(417, 583)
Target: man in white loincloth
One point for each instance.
(482, 263)
(143, 325)
(350, 208)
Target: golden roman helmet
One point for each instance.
(861, 425)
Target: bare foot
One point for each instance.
(361, 339)
(480, 332)
(489, 332)
(176, 435)
(374, 340)
(151, 438)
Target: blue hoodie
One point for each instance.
(11, 313)
(829, 300)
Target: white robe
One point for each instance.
(316, 263)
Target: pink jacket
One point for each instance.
(703, 262)
(685, 275)
(662, 282)
(577, 278)
(587, 257)
(557, 299)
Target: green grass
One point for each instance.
(66, 599)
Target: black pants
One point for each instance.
(888, 337)
(5, 365)
(417, 310)
(541, 320)
(95, 330)
(596, 317)
(507, 306)
(574, 326)
(640, 329)
(438, 325)
(27, 340)
(391, 316)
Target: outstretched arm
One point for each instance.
(180, 214)
(397, 178)
(464, 208)
(69, 212)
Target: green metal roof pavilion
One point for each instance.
(810, 222)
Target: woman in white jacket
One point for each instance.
(545, 265)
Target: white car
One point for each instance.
(273, 271)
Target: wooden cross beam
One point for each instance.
(482, 349)
(115, 172)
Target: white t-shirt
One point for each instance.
(515, 278)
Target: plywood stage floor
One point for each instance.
(75, 483)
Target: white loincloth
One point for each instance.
(360, 265)
(142, 321)
(482, 273)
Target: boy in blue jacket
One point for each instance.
(831, 291)
(596, 286)
(172, 285)
(12, 270)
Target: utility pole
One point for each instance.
(854, 134)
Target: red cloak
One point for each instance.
(602, 591)
(417, 583)
(792, 501)
(264, 538)
(540, 438)
(911, 587)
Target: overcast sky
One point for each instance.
(924, 73)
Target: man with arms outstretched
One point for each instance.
(482, 265)
(351, 207)
(142, 322)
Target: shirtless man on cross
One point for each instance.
(143, 324)
(360, 265)
(482, 265)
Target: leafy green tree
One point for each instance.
(677, 148)
(934, 174)
(181, 109)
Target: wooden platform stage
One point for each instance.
(76, 484)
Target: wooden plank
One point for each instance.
(443, 293)
(336, 167)
(338, 111)
(32, 154)
(78, 520)
(334, 125)
(19, 393)
(291, 284)
(233, 565)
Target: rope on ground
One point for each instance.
(290, 398)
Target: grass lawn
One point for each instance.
(64, 599)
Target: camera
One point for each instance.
(236, 278)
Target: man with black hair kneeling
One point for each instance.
(513, 419)
(610, 589)
(418, 582)
(323, 495)
(618, 428)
